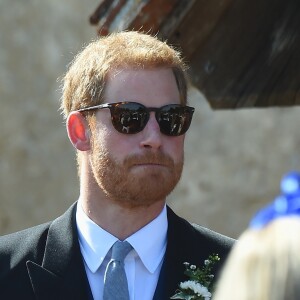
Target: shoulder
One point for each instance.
(194, 244)
(196, 236)
(18, 247)
(23, 239)
(213, 236)
(30, 243)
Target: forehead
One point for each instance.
(156, 86)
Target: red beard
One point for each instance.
(140, 180)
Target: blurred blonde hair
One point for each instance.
(264, 264)
(84, 83)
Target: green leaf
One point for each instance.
(183, 296)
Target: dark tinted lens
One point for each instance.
(129, 117)
(174, 119)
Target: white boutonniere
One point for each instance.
(200, 283)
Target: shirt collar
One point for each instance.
(149, 242)
(94, 241)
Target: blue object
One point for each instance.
(286, 204)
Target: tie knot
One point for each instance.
(120, 250)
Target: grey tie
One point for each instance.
(115, 281)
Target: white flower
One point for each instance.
(197, 288)
(200, 281)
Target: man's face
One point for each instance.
(137, 169)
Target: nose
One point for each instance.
(152, 137)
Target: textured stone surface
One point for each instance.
(234, 159)
(234, 163)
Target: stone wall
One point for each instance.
(234, 159)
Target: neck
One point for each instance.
(117, 220)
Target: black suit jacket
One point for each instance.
(45, 262)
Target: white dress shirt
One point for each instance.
(142, 264)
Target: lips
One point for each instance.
(150, 165)
(150, 160)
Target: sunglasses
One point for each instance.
(132, 117)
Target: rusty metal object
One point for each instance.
(116, 15)
(242, 53)
(100, 11)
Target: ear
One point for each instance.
(78, 131)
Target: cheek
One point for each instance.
(100, 140)
(119, 146)
(175, 147)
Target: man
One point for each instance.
(124, 99)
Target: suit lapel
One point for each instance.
(171, 271)
(181, 248)
(45, 284)
(62, 274)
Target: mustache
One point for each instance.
(149, 158)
